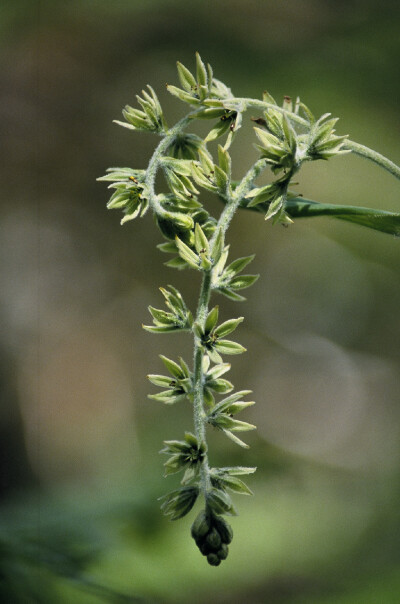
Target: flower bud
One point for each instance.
(213, 559)
(212, 534)
(214, 539)
(224, 529)
(222, 553)
(200, 526)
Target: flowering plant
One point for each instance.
(287, 136)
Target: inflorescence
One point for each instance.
(287, 136)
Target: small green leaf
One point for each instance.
(182, 95)
(229, 347)
(237, 407)
(189, 474)
(209, 113)
(230, 294)
(235, 439)
(219, 501)
(214, 355)
(269, 141)
(224, 160)
(168, 397)
(187, 254)
(211, 320)
(176, 446)
(161, 316)
(226, 422)
(221, 180)
(268, 98)
(218, 130)
(239, 426)
(160, 380)
(218, 246)
(201, 179)
(309, 116)
(184, 367)
(200, 240)
(174, 300)
(178, 503)
(191, 439)
(172, 367)
(179, 166)
(177, 262)
(161, 328)
(243, 281)
(174, 464)
(186, 78)
(218, 370)
(201, 72)
(136, 119)
(227, 327)
(290, 134)
(177, 219)
(234, 484)
(237, 470)
(161, 396)
(168, 248)
(220, 385)
(208, 397)
(129, 126)
(275, 206)
(233, 398)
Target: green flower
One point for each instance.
(185, 455)
(211, 336)
(130, 193)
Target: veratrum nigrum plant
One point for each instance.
(287, 136)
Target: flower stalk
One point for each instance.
(287, 136)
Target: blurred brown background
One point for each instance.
(78, 436)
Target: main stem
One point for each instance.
(198, 379)
(232, 204)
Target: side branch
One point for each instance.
(234, 202)
(155, 161)
(374, 156)
(352, 146)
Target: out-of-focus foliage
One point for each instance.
(74, 416)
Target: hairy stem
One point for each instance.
(265, 105)
(240, 192)
(155, 161)
(198, 379)
(232, 204)
(377, 158)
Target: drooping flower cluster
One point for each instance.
(287, 137)
(197, 240)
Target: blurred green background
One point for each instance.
(79, 468)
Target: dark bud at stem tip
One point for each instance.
(212, 534)
(213, 559)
